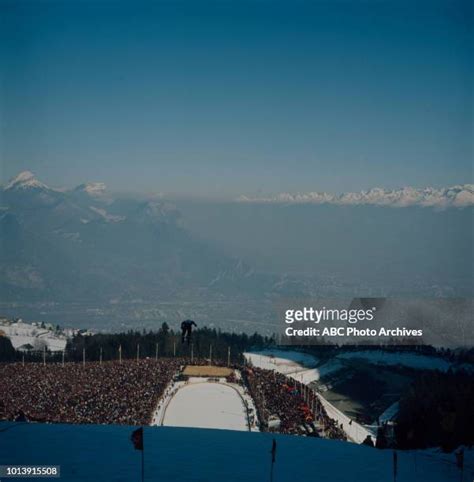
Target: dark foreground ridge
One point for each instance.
(91, 453)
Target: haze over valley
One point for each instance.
(86, 257)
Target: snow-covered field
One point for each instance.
(304, 367)
(281, 360)
(91, 453)
(22, 334)
(354, 431)
(315, 374)
(206, 405)
(200, 403)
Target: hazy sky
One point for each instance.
(227, 98)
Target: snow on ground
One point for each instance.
(295, 365)
(23, 333)
(390, 413)
(281, 360)
(315, 374)
(301, 366)
(411, 360)
(306, 376)
(91, 453)
(200, 403)
(354, 430)
(206, 405)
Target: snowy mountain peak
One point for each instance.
(459, 196)
(92, 188)
(25, 180)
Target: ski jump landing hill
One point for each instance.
(206, 399)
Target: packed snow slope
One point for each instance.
(284, 361)
(90, 453)
(307, 369)
(206, 405)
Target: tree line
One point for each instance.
(164, 342)
(436, 411)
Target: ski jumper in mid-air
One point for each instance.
(186, 330)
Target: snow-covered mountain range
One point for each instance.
(83, 244)
(458, 196)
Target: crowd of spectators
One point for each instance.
(295, 407)
(128, 392)
(100, 393)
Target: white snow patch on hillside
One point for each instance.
(304, 365)
(94, 188)
(281, 360)
(315, 374)
(295, 364)
(110, 218)
(21, 334)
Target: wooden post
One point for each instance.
(156, 352)
(395, 465)
(120, 353)
(228, 356)
(63, 358)
(138, 351)
(23, 359)
(273, 452)
(100, 356)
